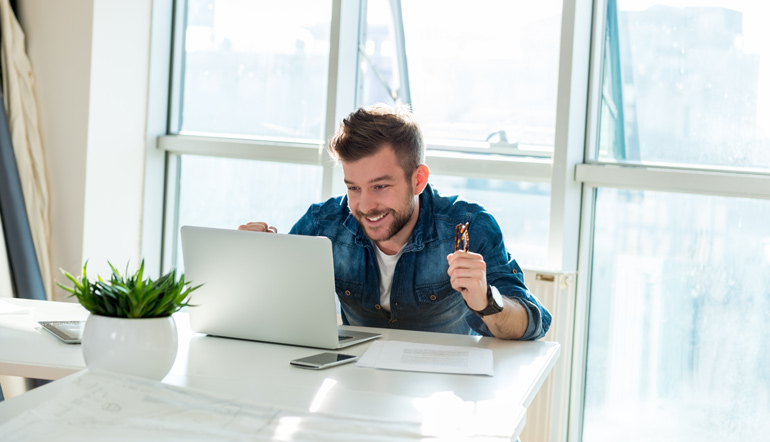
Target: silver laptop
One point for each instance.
(268, 287)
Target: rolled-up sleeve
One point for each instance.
(504, 273)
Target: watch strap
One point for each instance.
(491, 308)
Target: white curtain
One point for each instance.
(21, 107)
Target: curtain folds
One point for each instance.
(21, 108)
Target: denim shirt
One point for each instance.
(421, 295)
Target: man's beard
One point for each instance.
(400, 219)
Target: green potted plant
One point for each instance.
(131, 328)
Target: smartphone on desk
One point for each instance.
(323, 360)
(68, 331)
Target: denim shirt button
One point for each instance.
(377, 306)
(432, 297)
(347, 292)
(515, 271)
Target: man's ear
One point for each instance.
(420, 178)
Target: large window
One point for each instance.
(474, 74)
(687, 83)
(677, 343)
(255, 69)
(260, 87)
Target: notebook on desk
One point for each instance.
(264, 287)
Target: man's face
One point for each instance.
(380, 197)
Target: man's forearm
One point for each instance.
(511, 323)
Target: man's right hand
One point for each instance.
(258, 227)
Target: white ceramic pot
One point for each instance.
(141, 347)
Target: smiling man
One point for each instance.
(393, 237)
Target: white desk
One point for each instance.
(24, 351)
(261, 371)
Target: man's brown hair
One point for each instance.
(365, 131)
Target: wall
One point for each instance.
(91, 62)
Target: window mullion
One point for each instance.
(568, 199)
(507, 168)
(570, 134)
(404, 92)
(171, 212)
(261, 150)
(680, 180)
(343, 70)
(176, 95)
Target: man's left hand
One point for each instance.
(468, 275)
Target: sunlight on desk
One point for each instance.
(101, 404)
(287, 428)
(445, 415)
(319, 397)
(6, 308)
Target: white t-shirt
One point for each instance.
(387, 264)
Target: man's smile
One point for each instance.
(375, 218)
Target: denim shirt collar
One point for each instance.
(424, 231)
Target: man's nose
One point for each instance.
(368, 202)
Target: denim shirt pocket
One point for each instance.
(348, 290)
(349, 293)
(436, 297)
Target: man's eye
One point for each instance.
(380, 186)
(352, 189)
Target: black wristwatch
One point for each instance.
(494, 303)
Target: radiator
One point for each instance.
(548, 413)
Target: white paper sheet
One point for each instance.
(100, 406)
(408, 356)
